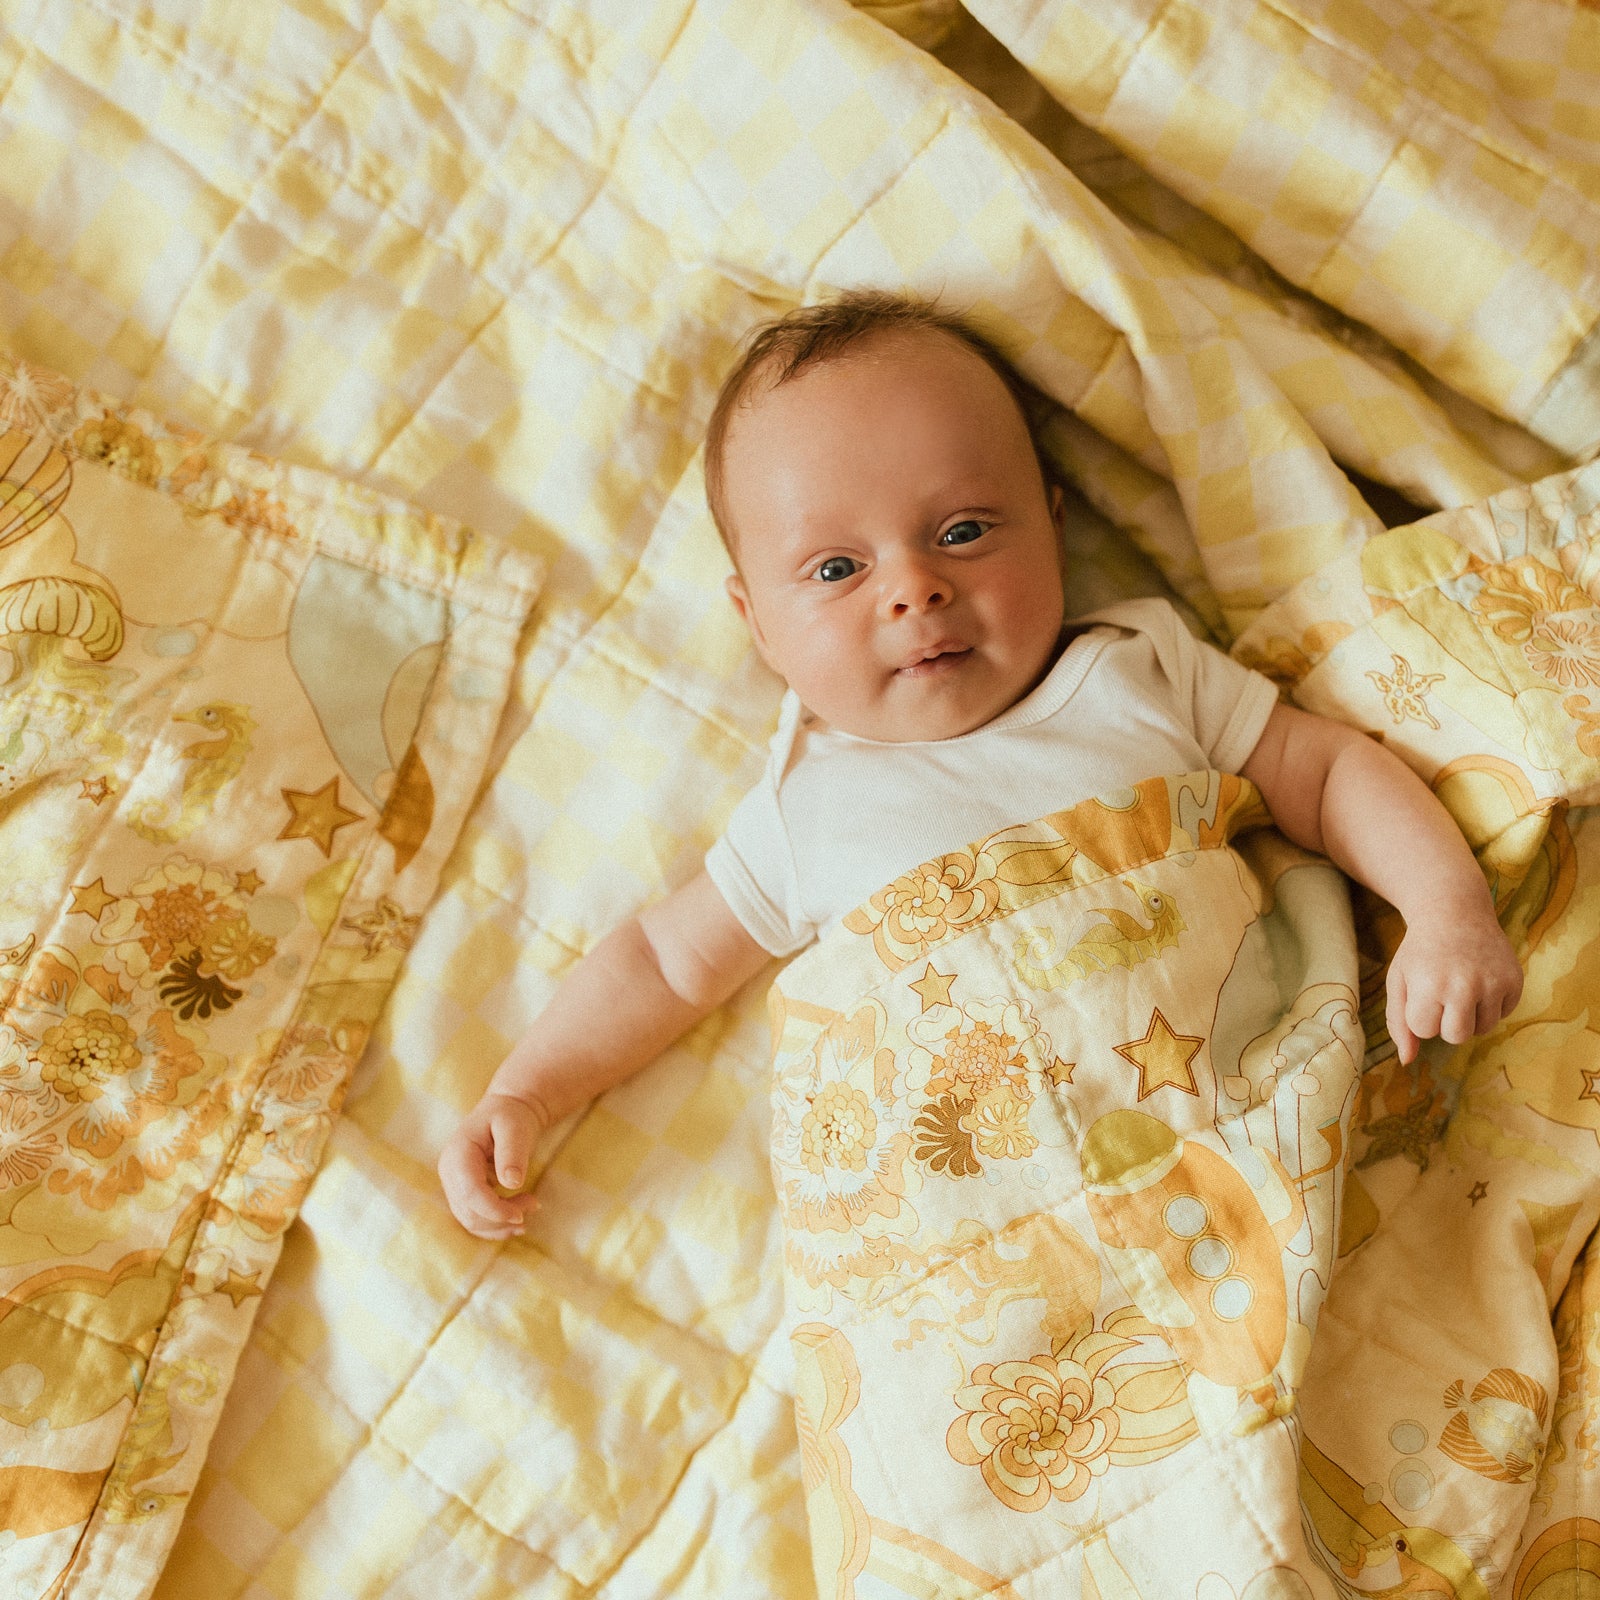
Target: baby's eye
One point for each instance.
(837, 568)
(962, 533)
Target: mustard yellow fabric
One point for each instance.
(243, 712)
(492, 257)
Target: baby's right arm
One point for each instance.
(640, 988)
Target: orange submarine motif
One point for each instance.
(1197, 1245)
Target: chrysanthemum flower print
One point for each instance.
(1037, 1429)
(840, 1140)
(926, 906)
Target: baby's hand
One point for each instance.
(1454, 975)
(494, 1142)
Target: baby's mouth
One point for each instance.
(941, 658)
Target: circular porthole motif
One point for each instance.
(1186, 1216)
(1210, 1257)
(1231, 1298)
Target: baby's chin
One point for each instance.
(923, 716)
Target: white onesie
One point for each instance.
(834, 817)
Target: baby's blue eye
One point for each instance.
(837, 568)
(962, 533)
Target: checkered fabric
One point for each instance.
(494, 256)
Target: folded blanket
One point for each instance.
(1057, 1128)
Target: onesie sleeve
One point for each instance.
(1228, 702)
(752, 866)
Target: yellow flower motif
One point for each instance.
(838, 1130)
(999, 1122)
(1566, 650)
(26, 1149)
(166, 914)
(82, 1054)
(233, 948)
(975, 1062)
(121, 445)
(1036, 1429)
(922, 907)
(1516, 595)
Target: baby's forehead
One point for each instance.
(938, 367)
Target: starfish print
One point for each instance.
(1407, 1133)
(385, 925)
(1405, 693)
(933, 987)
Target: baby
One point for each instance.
(874, 472)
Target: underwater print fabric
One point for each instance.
(243, 710)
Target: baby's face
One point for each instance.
(899, 563)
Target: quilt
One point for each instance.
(293, 294)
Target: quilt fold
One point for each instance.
(1308, 290)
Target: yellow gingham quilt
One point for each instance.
(316, 284)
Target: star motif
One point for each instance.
(1409, 1133)
(248, 881)
(92, 898)
(317, 815)
(1591, 1085)
(1405, 691)
(96, 789)
(239, 1288)
(1162, 1057)
(1477, 1191)
(1061, 1071)
(385, 925)
(934, 987)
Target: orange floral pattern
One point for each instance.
(927, 905)
(1038, 1430)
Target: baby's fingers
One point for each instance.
(511, 1135)
(464, 1176)
(1405, 1041)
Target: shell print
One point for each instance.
(1499, 1432)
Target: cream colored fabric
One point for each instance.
(244, 710)
(834, 816)
(493, 256)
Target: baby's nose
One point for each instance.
(916, 586)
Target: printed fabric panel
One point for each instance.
(243, 711)
(1058, 1124)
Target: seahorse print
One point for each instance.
(1120, 940)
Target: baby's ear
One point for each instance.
(740, 596)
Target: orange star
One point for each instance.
(317, 815)
(1061, 1071)
(95, 789)
(1478, 1191)
(1591, 1085)
(1162, 1057)
(92, 898)
(247, 882)
(239, 1289)
(934, 987)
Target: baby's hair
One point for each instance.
(806, 337)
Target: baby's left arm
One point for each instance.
(1331, 788)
